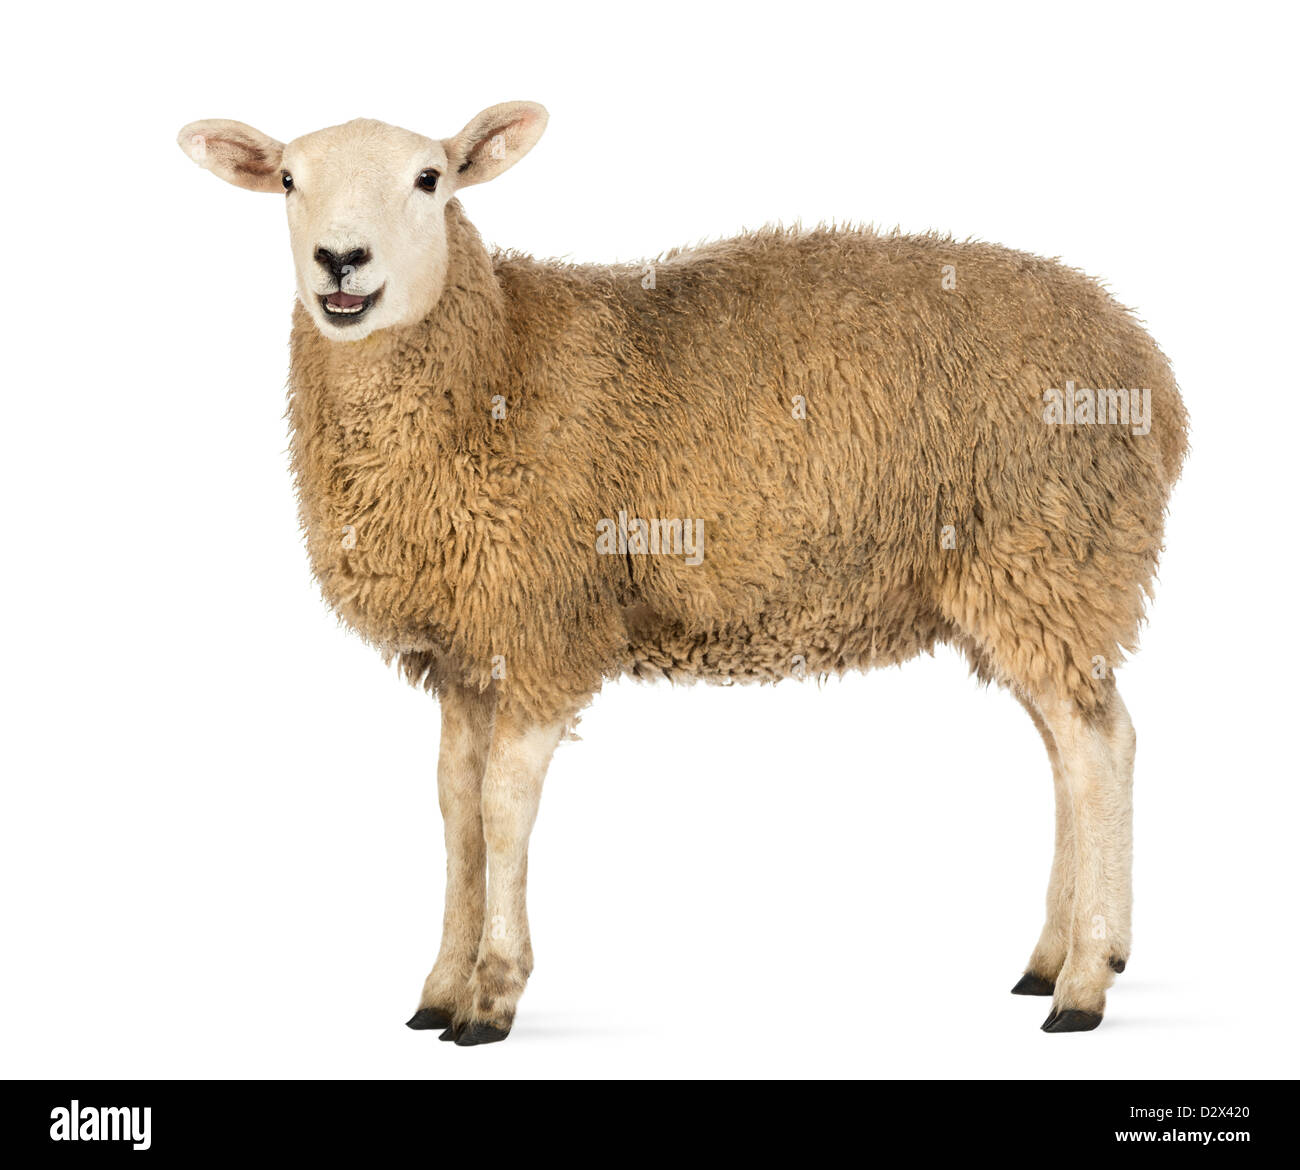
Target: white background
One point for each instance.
(220, 852)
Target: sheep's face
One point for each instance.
(367, 205)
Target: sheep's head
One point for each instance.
(367, 205)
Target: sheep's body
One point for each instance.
(819, 400)
(856, 425)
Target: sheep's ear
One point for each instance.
(494, 141)
(235, 152)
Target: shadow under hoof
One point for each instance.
(426, 1019)
(1118, 965)
(1071, 1020)
(480, 1034)
(1031, 984)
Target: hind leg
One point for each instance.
(1095, 750)
(1053, 944)
(1123, 746)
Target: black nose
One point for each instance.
(340, 266)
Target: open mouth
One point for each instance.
(345, 309)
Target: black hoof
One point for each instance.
(1031, 984)
(1118, 965)
(1071, 1020)
(426, 1019)
(480, 1034)
(452, 1032)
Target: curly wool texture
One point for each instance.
(466, 544)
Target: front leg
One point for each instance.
(512, 789)
(462, 759)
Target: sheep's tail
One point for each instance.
(1169, 427)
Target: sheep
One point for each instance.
(791, 453)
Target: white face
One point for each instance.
(367, 205)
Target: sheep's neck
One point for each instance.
(388, 435)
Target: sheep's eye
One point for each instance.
(287, 180)
(427, 180)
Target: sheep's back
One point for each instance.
(859, 422)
